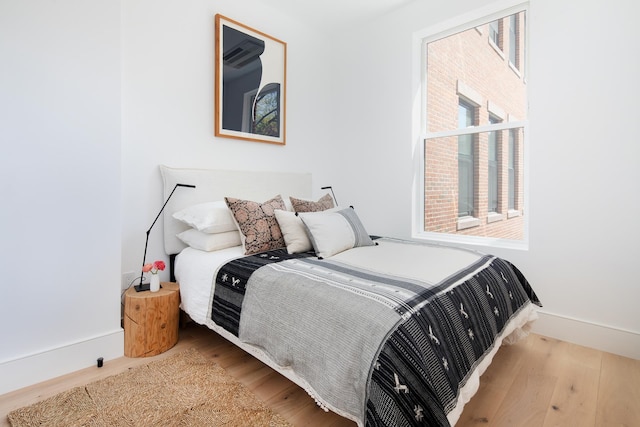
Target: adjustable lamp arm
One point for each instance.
(141, 286)
(334, 196)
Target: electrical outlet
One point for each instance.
(128, 278)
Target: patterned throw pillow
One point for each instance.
(257, 223)
(300, 205)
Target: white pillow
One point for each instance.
(334, 232)
(210, 217)
(293, 231)
(210, 242)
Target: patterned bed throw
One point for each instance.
(387, 335)
(231, 282)
(428, 357)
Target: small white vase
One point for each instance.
(154, 286)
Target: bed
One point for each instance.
(382, 331)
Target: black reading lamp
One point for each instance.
(330, 188)
(145, 286)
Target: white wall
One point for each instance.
(60, 187)
(584, 196)
(168, 55)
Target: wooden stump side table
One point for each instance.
(151, 320)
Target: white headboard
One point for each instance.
(212, 185)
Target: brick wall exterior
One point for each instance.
(468, 66)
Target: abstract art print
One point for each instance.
(250, 83)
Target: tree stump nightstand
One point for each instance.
(151, 320)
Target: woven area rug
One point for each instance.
(186, 389)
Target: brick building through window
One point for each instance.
(473, 156)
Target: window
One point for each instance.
(474, 120)
(261, 112)
(513, 40)
(512, 169)
(465, 161)
(493, 167)
(494, 32)
(266, 109)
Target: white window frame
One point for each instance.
(464, 22)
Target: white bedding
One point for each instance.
(194, 271)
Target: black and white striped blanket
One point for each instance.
(231, 283)
(413, 341)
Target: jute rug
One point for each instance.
(186, 389)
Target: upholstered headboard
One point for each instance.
(212, 185)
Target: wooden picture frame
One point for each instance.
(250, 83)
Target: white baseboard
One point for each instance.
(32, 369)
(35, 368)
(604, 338)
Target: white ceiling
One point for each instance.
(337, 13)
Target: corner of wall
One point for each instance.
(600, 337)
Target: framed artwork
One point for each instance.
(250, 83)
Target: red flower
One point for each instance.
(153, 268)
(158, 265)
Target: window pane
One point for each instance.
(513, 39)
(493, 166)
(512, 169)
(477, 187)
(493, 172)
(465, 145)
(493, 146)
(465, 185)
(266, 111)
(465, 60)
(466, 115)
(493, 186)
(494, 32)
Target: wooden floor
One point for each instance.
(537, 382)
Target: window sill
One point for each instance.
(513, 214)
(496, 48)
(494, 217)
(484, 243)
(467, 222)
(515, 69)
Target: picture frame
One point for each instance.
(250, 83)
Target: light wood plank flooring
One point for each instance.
(538, 382)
